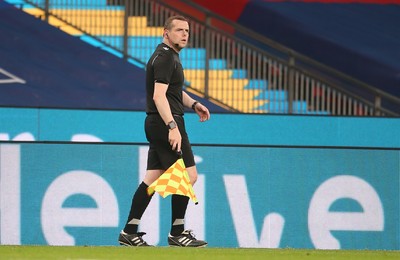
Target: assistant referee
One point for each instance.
(166, 133)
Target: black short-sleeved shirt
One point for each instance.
(164, 66)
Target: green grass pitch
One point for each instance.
(119, 252)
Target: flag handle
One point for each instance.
(180, 156)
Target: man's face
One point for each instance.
(178, 35)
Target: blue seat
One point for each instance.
(214, 64)
(85, 5)
(193, 54)
(276, 95)
(20, 3)
(257, 84)
(239, 74)
(143, 41)
(217, 64)
(133, 41)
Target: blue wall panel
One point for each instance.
(264, 180)
(79, 194)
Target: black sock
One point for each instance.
(179, 205)
(140, 201)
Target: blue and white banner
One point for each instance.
(80, 194)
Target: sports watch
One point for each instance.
(171, 125)
(194, 105)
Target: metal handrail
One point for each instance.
(288, 51)
(292, 54)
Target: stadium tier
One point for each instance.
(45, 67)
(102, 26)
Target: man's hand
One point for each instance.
(202, 111)
(175, 139)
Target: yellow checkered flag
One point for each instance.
(175, 180)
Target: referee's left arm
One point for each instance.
(199, 108)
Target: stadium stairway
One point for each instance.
(237, 86)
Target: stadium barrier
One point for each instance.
(67, 177)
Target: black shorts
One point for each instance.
(161, 156)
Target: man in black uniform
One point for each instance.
(165, 131)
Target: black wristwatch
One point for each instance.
(171, 125)
(194, 105)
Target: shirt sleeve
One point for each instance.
(163, 67)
